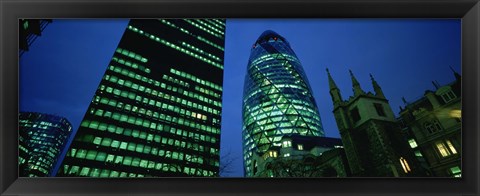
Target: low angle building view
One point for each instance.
(41, 139)
(433, 125)
(255, 98)
(157, 109)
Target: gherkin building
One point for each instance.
(277, 98)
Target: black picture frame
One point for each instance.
(12, 10)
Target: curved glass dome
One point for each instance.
(277, 98)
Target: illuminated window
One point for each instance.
(405, 166)
(448, 96)
(442, 149)
(300, 147)
(412, 143)
(418, 154)
(456, 172)
(273, 154)
(450, 146)
(286, 144)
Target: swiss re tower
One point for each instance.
(277, 98)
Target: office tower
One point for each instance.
(42, 138)
(277, 98)
(29, 30)
(372, 139)
(156, 111)
(434, 126)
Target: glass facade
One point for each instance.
(277, 98)
(157, 109)
(42, 138)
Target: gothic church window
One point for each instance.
(355, 114)
(379, 109)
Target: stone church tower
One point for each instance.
(372, 139)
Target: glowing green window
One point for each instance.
(101, 156)
(111, 128)
(128, 83)
(127, 161)
(106, 141)
(123, 118)
(139, 121)
(175, 155)
(128, 132)
(116, 92)
(81, 153)
(164, 140)
(107, 114)
(113, 79)
(97, 140)
(119, 130)
(91, 155)
(118, 159)
(157, 138)
(116, 116)
(109, 158)
(139, 148)
(95, 172)
(135, 86)
(170, 141)
(154, 151)
(72, 152)
(138, 98)
(93, 125)
(114, 174)
(105, 173)
(124, 94)
(115, 144)
(128, 107)
(136, 162)
(131, 120)
(84, 171)
(99, 112)
(109, 89)
(123, 145)
(103, 126)
(143, 135)
(131, 146)
(142, 111)
(135, 133)
(143, 163)
(146, 149)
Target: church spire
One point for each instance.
(357, 90)
(457, 75)
(376, 88)
(331, 83)
(334, 91)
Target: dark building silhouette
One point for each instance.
(157, 109)
(42, 137)
(277, 99)
(372, 139)
(433, 125)
(29, 30)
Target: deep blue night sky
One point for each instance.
(64, 66)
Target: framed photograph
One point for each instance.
(245, 98)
